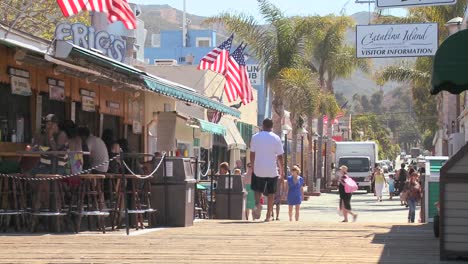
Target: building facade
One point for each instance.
(168, 49)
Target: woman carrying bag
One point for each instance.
(346, 187)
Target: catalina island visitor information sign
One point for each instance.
(396, 40)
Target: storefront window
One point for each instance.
(88, 119)
(55, 107)
(15, 117)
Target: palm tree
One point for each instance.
(302, 96)
(332, 58)
(277, 45)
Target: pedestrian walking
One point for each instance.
(413, 190)
(345, 198)
(380, 182)
(391, 186)
(250, 203)
(265, 150)
(401, 176)
(295, 192)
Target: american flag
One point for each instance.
(216, 59)
(237, 78)
(117, 10)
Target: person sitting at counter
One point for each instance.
(75, 143)
(53, 139)
(97, 151)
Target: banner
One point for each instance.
(396, 40)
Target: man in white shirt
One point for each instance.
(265, 149)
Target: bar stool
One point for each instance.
(48, 201)
(90, 201)
(12, 203)
(139, 197)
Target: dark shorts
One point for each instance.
(345, 198)
(264, 185)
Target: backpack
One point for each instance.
(350, 185)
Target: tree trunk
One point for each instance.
(278, 114)
(310, 153)
(294, 139)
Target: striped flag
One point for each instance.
(216, 59)
(117, 10)
(237, 79)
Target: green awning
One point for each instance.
(167, 89)
(450, 64)
(210, 127)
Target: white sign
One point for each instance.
(20, 86)
(87, 37)
(400, 3)
(87, 104)
(393, 40)
(255, 74)
(169, 168)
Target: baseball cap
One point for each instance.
(51, 118)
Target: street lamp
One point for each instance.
(325, 142)
(315, 138)
(286, 129)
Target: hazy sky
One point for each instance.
(291, 7)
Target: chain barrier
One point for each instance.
(146, 176)
(207, 170)
(61, 177)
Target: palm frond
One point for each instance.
(402, 74)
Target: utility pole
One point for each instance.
(184, 26)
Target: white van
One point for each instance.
(360, 158)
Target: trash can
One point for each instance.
(173, 193)
(230, 197)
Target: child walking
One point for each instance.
(391, 186)
(295, 192)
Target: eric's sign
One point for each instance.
(87, 37)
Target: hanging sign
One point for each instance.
(86, 37)
(113, 107)
(20, 86)
(409, 3)
(87, 104)
(56, 89)
(396, 40)
(19, 80)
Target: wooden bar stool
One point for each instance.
(12, 203)
(90, 201)
(48, 201)
(138, 194)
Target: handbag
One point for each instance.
(350, 185)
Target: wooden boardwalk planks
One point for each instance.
(233, 242)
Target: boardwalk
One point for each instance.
(213, 241)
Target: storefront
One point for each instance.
(92, 90)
